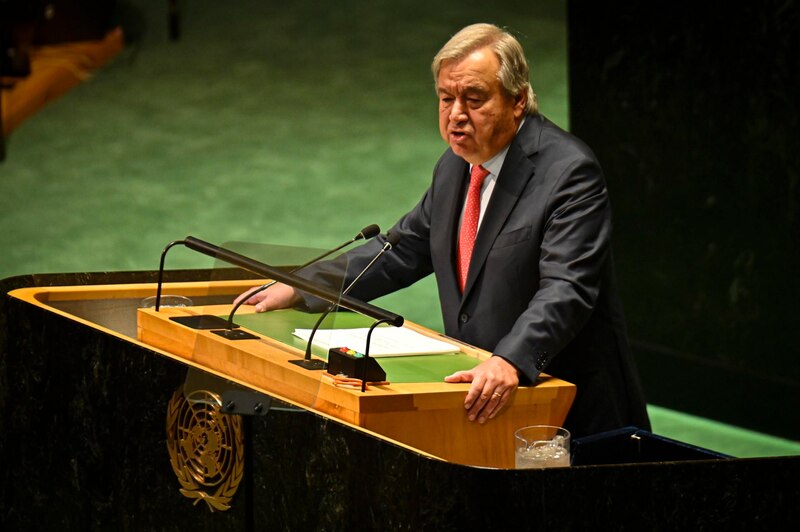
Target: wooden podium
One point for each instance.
(428, 417)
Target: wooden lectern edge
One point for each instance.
(133, 290)
(329, 401)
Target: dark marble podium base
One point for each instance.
(83, 447)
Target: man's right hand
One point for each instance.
(275, 297)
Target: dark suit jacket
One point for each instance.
(540, 291)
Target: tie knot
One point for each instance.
(479, 173)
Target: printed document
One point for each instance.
(384, 342)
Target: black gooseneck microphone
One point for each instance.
(270, 272)
(307, 362)
(232, 334)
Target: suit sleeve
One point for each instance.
(573, 253)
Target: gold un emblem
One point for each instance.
(206, 448)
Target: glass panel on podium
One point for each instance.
(260, 356)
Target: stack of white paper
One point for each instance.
(384, 342)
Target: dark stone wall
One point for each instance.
(692, 109)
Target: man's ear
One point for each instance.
(520, 103)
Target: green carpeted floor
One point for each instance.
(293, 123)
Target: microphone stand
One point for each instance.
(366, 355)
(231, 334)
(307, 362)
(270, 272)
(161, 271)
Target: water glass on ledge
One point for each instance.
(540, 446)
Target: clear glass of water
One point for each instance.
(540, 446)
(167, 300)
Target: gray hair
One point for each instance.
(513, 73)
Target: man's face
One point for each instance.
(477, 117)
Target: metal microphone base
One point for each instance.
(235, 334)
(310, 364)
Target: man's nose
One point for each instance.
(457, 112)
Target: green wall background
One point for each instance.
(291, 123)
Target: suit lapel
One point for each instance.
(453, 178)
(517, 171)
(453, 205)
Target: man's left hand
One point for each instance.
(493, 382)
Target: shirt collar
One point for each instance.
(494, 164)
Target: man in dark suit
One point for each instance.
(535, 285)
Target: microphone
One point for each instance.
(270, 272)
(368, 232)
(231, 334)
(304, 285)
(306, 362)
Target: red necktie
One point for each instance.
(469, 223)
